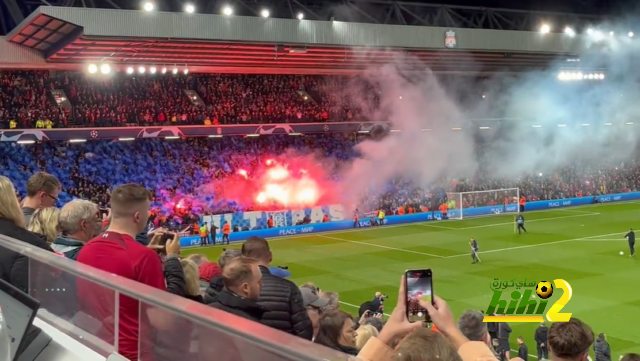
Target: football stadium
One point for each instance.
(581, 245)
(377, 180)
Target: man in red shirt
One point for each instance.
(116, 251)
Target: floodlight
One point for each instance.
(129, 70)
(189, 8)
(164, 70)
(597, 35)
(300, 16)
(105, 69)
(186, 71)
(545, 29)
(92, 68)
(148, 6)
(590, 31)
(227, 11)
(175, 70)
(141, 70)
(152, 70)
(630, 34)
(264, 13)
(570, 32)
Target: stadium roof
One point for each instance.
(208, 43)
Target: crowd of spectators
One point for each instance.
(239, 283)
(26, 100)
(175, 172)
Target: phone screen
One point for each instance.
(419, 286)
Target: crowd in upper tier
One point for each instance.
(27, 100)
(174, 169)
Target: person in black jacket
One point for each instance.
(601, 348)
(523, 350)
(504, 331)
(281, 297)
(540, 336)
(14, 267)
(241, 280)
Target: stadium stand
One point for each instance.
(175, 169)
(124, 100)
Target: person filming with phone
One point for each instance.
(116, 251)
(415, 342)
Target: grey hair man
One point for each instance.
(333, 304)
(471, 325)
(228, 256)
(79, 222)
(198, 259)
(216, 284)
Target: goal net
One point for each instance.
(482, 203)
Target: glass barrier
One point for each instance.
(87, 304)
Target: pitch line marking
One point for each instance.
(381, 246)
(580, 212)
(511, 223)
(535, 245)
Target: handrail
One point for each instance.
(274, 341)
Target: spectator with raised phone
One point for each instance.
(116, 251)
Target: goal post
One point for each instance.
(483, 203)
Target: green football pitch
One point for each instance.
(580, 245)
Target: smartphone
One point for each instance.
(168, 236)
(419, 286)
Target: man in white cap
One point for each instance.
(313, 304)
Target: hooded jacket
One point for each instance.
(215, 287)
(68, 246)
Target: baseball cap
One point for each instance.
(311, 299)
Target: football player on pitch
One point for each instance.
(520, 223)
(474, 250)
(631, 237)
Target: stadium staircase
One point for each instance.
(61, 99)
(194, 97)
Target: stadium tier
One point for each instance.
(201, 176)
(66, 99)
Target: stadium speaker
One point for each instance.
(379, 131)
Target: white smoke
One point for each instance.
(570, 118)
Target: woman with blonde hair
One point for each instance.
(192, 280)
(14, 267)
(364, 334)
(170, 345)
(44, 223)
